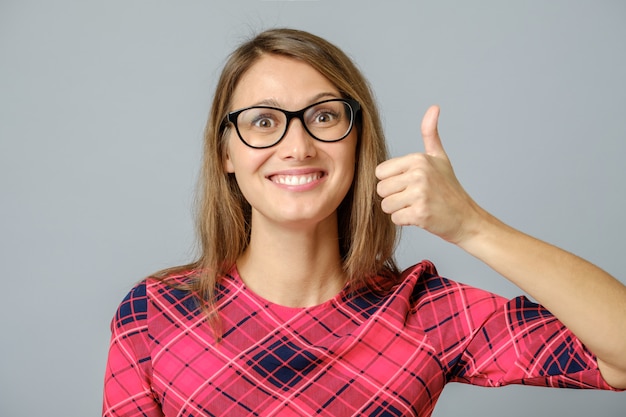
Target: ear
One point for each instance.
(228, 163)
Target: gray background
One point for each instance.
(102, 107)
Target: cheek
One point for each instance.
(346, 164)
(350, 155)
(241, 159)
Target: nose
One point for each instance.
(297, 144)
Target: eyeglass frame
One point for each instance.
(354, 105)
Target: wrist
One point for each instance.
(481, 231)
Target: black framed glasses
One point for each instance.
(264, 126)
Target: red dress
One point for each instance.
(360, 353)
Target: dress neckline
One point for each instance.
(282, 311)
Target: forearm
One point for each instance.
(589, 301)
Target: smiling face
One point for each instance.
(300, 180)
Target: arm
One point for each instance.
(590, 302)
(422, 190)
(127, 382)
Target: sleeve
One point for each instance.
(488, 341)
(127, 383)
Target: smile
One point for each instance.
(296, 179)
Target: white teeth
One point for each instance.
(295, 179)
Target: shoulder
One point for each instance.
(436, 297)
(162, 291)
(133, 308)
(424, 281)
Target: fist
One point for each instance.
(421, 189)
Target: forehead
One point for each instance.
(286, 82)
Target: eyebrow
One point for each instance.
(273, 103)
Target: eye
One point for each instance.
(263, 123)
(262, 119)
(325, 117)
(326, 114)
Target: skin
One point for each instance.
(421, 189)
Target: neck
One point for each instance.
(294, 267)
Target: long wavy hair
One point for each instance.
(367, 235)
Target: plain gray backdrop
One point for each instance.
(102, 108)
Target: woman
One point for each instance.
(296, 306)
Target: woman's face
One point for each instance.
(300, 180)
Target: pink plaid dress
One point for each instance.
(361, 353)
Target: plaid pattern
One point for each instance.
(361, 353)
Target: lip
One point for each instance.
(298, 179)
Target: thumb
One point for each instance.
(430, 134)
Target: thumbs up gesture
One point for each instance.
(421, 189)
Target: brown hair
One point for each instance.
(367, 235)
